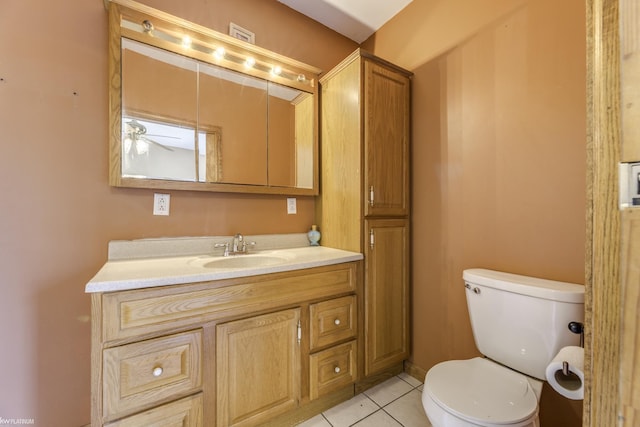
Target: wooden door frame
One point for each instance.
(602, 303)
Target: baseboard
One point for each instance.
(415, 371)
(377, 378)
(311, 409)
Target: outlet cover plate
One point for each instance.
(161, 203)
(291, 205)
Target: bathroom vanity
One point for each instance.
(210, 341)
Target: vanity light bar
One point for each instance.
(219, 54)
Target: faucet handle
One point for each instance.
(245, 245)
(223, 245)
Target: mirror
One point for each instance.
(212, 114)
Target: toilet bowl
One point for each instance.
(480, 392)
(519, 324)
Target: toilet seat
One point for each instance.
(482, 392)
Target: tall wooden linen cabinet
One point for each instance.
(364, 196)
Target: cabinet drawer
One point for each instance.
(332, 321)
(184, 413)
(141, 374)
(332, 369)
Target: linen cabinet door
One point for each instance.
(257, 368)
(386, 294)
(386, 141)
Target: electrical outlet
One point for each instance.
(161, 204)
(291, 205)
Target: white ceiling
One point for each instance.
(355, 19)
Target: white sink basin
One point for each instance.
(254, 260)
(245, 261)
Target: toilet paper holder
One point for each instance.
(576, 328)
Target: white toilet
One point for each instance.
(519, 324)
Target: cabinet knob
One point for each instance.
(336, 322)
(336, 369)
(157, 371)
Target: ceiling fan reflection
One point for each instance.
(136, 131)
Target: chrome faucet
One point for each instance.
(239, 246)
(238, 243)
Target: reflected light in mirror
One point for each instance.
(142, 147)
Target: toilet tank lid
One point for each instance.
(525, 285)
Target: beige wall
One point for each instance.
(58, 213)
(499, 156)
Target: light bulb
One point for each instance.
(249, 62)
(186, 41)
(219, 53)
(276, 70)
(142, 147)
(147, 26)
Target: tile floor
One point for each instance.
(394, 403)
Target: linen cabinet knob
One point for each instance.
(336, 369)
(157, 371)
(336, 322)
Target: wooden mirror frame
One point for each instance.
(294, 74)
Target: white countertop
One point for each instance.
(124, 274)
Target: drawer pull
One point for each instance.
(336, 322)
(336, 369)
(157, 371)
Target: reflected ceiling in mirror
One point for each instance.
(213, 114)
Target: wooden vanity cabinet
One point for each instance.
(364, 205)
(273, 349)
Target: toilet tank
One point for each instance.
(520, 321)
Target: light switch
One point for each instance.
(629, 175)
(291, 205)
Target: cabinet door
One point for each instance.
(386, 141)
(257, 368)
(386, 294)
